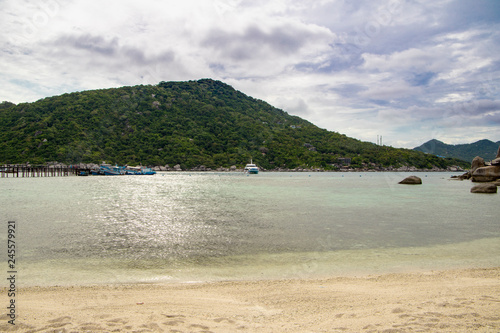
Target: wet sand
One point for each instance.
(466, 300)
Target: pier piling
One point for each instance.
(17, 171)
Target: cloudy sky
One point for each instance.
(408, 70)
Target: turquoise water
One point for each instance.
(217, 226)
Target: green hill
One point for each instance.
(484, 148)
(192, 123)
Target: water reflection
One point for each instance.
(179, 219)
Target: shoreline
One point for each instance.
(481, 253)
(234, 169)
(455, 300)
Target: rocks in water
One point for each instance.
(481, 172)
(484, 188)
(411, 180)
(477, 162)
(466, 175)
(488, 173)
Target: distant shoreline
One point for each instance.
(234, 169)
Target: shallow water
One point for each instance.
(212, 226)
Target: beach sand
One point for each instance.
(466, 300)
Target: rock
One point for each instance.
(411, 180)
(477, 162)
(461, 177)
(498, 152)
(497, 183)
(486, 174)
(496, 161)
(484, 188)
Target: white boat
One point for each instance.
(251, 168)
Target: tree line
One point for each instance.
(192, 123)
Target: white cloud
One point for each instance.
(455, 97)
(408, 70)
(391, 91)
(424, 59)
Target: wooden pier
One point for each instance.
(40, 171)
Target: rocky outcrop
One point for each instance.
(411, 180)
(466, 175)
(477, 162)
(484, 188)
(488, 173)
(483, 172)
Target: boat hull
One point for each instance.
(252, 168)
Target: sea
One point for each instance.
(196, 227)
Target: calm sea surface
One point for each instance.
(175, 227)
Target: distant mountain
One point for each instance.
(484, 148)
(193, 123)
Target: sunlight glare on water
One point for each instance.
(182, 226)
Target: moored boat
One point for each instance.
(140, 170)
(109, 170)
(147, 171)
(252, 168)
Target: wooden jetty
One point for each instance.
(41, 170)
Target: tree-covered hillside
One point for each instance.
(193, 123)
(484, 148)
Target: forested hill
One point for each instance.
(484, 148)
(193, 123)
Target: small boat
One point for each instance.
(139, 171)
(251, 168)
(132, 171)
(147, 171)
(109, 170)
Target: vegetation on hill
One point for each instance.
(193, 123)
(484, 148)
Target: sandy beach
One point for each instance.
(466, 300)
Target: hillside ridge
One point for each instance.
(484, 148)
(190, 123)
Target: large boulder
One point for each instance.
(484, 188)
(411, 180)
(466, 175)
(477, 162)
(488, 173)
